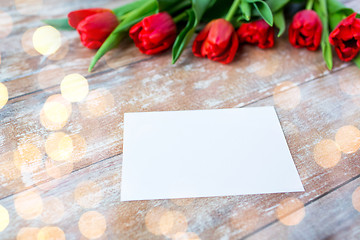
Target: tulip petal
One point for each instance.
(75, 17)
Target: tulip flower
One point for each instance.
(346, 38)
(154, 34)
(94, 25)
(305, 30)
(258, 33)
(217, 41)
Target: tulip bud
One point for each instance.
(154, 34)
(346, 38)
(258, 33)
(94, 25)
(217, 41)
(305, 30)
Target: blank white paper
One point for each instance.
(205, 153)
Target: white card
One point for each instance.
(205, 153)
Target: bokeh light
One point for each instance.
(92, 224)
(4, 218)
(244, 219)
(55, 112)
(61, 52)
(50, 76)
(46, 40)
(27, 233)
(327, 153)
(29, 204)
(88, 194)
(172, 222)
(348, 139)
(185, 236)
(28, 7)
(56, 169)
(74, 87)
(4, 95)
(356, 199)
(59, 146)
(27, 157)
(287, 95)
(152, 218)
(6, 24)
(290, 211)
(53, 210)
(27, 42)
(80, 147)
(51, 232)
(98, 103)
(7, 166)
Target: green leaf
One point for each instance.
(113, 40)
(356, 60)
(195, 14)
(217, 9)
(264, 10)
(276, 5)
(60, 24)
(120, 11)
(246, 10)
(321, 9)
(279, 21)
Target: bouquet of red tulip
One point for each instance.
(157, 25)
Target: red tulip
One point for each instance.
(94, 25)
(217, 41)
(154, 34)
(305, 30)
(258, 32)
(346, 38)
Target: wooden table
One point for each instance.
(77, 195)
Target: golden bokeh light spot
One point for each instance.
(327, 153)
(61, 52)
(152, 218)
(27, 233)
(55, 112)
(7, 166)
(53, 210)
(92, 224)
(99, 102)
(46, 40)
(245, 220)
(182, 201)
(27, 157)
(80, 148)
(348, 139)
(287, 95)
(6, 24)
(88, 194)
(290, 211)
(4, 218)
(49, 76)
(29, 204)
(59, 146)
(185, 236)
(268, 67)
(56, 169)
(172, 222)
(356, 199)
(27, 42)
(28, 7)
(4, 95)
(74, 87)
(51, 232)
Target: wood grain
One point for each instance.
(312, 104)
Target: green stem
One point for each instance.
(232, 10)
(178, 7)
(180, 17)
(309, 5)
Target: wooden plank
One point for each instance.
(309, 122)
